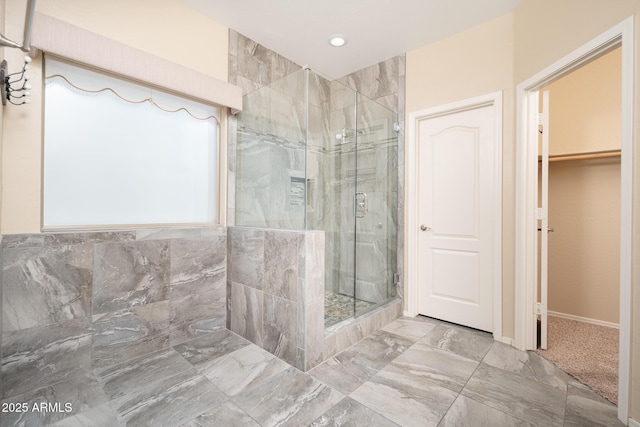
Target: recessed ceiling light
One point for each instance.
(337, 40)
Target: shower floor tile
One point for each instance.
(338, 307)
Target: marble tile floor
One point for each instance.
(413, 372)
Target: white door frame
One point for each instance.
(527, 189)
(493, 99)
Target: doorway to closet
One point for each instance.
(527, 310)
(579, 237)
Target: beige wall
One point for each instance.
(584, 249)
(2, 54)
(548, 30)
(498, 56)
(21, 140)
(467, 64)
(472, 63)
(164, 28)
(586, 107)
(584, 195)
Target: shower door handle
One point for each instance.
(361, 204)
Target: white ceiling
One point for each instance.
(376, 29)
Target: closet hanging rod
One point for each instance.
(584, 156)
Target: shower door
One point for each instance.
(360, 205)
(375, 205)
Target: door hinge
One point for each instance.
(540, 308)
(396, 278)
(539, 213)
(541, 120)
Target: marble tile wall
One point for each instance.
(385, 83)
(347, 333)
(1, 307)
(72, 302)
(275, 297)
(285, 178)
(251, 67)
(271, 184)
(330, 107)
(280, 173)
(372, 159)
(275, 292)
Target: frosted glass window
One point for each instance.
(111, 157)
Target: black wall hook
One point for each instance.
(11, 89)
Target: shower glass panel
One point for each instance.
(270, 156)
(376, 199)
(314, 154)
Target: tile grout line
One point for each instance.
(465, 384)
(497, 409)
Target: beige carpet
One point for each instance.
(587, 352)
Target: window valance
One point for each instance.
(68, 41)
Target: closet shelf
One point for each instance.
(583, 156)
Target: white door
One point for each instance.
(457, 192)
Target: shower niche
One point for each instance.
(313, 155)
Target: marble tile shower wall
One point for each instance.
(278, 109)
(375, 244)
(272, 181)
(280, 154)
(385, 83)
(318, 142)
(76, 301)
(271, 157)
(375, 169)
(273, 171)
(251, 67)
(276, 297)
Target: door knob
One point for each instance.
(425, 228)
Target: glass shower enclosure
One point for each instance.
(313, 154)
